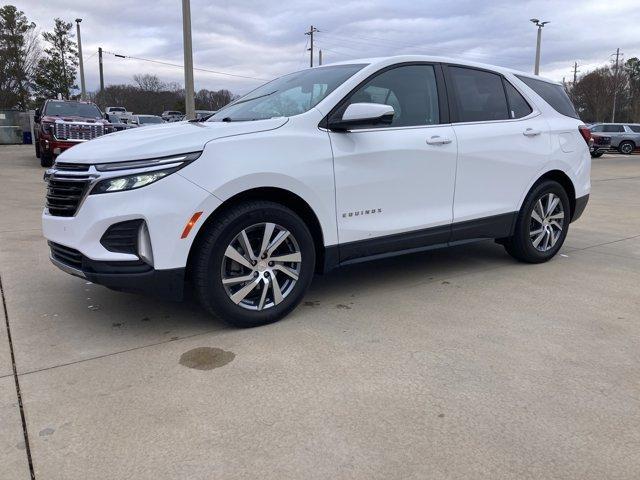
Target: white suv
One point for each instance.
(320, 168)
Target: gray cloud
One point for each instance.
(266, 39)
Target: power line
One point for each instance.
(159, 62)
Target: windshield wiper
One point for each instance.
(252, 98)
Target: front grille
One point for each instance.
(122, 237)
(598, 140)
(78, 131)
(66, 255)
(72, 167)
(64, 194)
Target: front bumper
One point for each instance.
(134, 277)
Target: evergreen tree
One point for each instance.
(56, 72)
(18, 55)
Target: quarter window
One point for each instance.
(635, 128)
(411, 90)
(553, 94)
(479, 95)
(517, 104)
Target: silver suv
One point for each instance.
(624, 136)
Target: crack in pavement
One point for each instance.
(25, 433)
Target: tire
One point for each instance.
(522, 245)
(596, 154)
(236, 301)
(46, 159)
(37, 149)
(627, 147)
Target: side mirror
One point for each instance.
(37, 114)
(363, 115)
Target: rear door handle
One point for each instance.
(531, 132)
(438, 140)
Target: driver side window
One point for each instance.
(411, 90)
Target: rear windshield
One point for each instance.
(72, 109)
(117, 109)
(553, 94)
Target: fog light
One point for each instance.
(56, 151)
(144, 244)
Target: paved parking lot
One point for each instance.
(458, 363)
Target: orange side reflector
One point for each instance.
(190, 224)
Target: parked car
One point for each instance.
(142, 120)
(116, 122)
(172, 116)
(320, 168)
(121, 112)
(599, 144)
(61, 124)
(625, 137)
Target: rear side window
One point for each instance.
(553, 94)
(479, 95)
(517, 104)
(613, 128)
(635, 128)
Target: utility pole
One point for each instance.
(575, 73)
(83, 90)
(615, 86)
(311, 31)
(189, 101)
(539, 24)
(319, 57)
(100, 68)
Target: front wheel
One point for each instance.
(596, 154)
(46, 159)
(254, 264)
(542, 224)
(626, 147)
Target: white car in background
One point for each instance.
(120, 112)
(320, 168)
(144, 120)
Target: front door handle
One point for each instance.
(531, 132)
(438, 140)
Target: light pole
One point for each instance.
(189, 101)
(539, 24)
(83, 90)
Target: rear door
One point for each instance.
(616, 132)
(398, 178)
(503, 142)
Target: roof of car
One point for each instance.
(384, 61)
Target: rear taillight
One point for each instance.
(585, 132)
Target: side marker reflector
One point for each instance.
(190, 224)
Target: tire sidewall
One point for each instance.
(214, 292)
(625, 144)
(539, 191)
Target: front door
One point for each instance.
(394, 183)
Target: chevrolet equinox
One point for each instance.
(320, 168)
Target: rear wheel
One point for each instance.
(626, 147)
(254, 264)
(542, 224)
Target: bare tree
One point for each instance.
(149, 83)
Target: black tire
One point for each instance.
(596, 154)
(46, 159)
(37, 149)
(627, 147)
(520, 245)
(209, 255)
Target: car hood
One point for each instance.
(68, 118)
(162, 140)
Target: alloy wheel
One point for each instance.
(547, 222)
(261, 266)
(626, 148)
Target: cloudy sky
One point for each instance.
(264, 39)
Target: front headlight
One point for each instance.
(140, 172)
(130, 182)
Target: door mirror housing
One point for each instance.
(363, 115)
(36, 115)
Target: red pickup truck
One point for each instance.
(61, 124)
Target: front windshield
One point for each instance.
(72, 109)
(151, 120)
(286, 96)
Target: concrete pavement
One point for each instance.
(458, 363)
